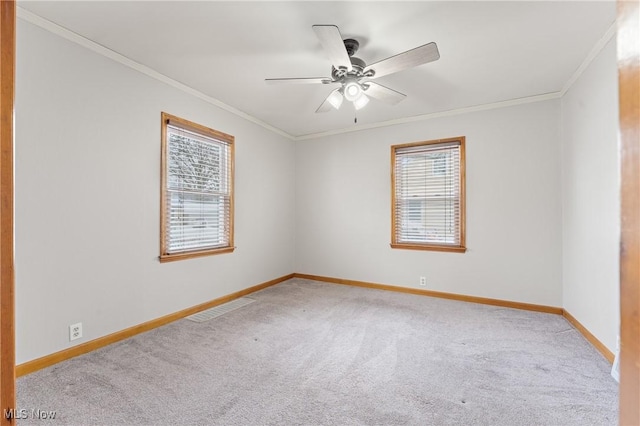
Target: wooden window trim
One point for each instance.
(429, 247)
(194, 253)
(229, 139)
(461, 248)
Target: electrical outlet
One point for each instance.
(75, 331)
(423, 281)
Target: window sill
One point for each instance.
(429, 247)
(191, 254)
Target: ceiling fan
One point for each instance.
(354, 75)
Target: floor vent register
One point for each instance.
(216, 311)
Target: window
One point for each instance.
(427, 193)
(197, 190)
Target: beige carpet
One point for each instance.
(311, 353)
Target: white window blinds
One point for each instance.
(198, 191)
(428, 194)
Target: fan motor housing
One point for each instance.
(357, 64)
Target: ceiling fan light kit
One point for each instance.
(353, 74)
(335, 99)
(361, 101)
(352, 91)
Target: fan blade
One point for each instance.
(331, 40)
(334, 100)
(383, 93)
(314, 80)
(410, 58)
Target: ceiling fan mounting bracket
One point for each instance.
(351, 45)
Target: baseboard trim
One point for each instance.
(590, 337)
(439, 294)
(63, 355)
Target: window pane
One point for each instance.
(193, 165)
(428, 221)
(196, 221)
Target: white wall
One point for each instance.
(591, 202)
(87, 198)
(514, 231)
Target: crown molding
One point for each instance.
(56, 29)
(423, 117)
(597, 48)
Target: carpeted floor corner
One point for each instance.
(312, 353)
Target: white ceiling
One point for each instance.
(490, 51)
